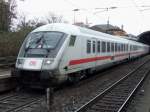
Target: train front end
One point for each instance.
(38, 59)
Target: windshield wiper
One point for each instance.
(40, 44)
(27, 48)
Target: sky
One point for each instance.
(134, 15)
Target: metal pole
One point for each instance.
(74, 14)
(49, 98)
(107, 19)
(74, 17)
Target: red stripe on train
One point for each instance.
(86, 60)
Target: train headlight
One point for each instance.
(48, 62)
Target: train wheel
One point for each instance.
(73, 79)
(89, 72)
(76, 77)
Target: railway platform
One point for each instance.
(6, 81)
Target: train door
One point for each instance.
(112, 50)
(94, 51)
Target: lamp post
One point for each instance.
(106, 9)
(75, 10)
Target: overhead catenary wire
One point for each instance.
(140, 12)
(89, 10)
(94, 11)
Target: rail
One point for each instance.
(106, 101)
(18, 101)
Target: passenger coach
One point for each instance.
(54, 53)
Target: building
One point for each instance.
(80, 24)
(110, 29)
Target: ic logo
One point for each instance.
(32, 63)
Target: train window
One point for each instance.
(130, 47)
(88, 46)
(123, 47)
(127, 47)
(136, 47)
(108, 46)
(72, 40)
(103, 46)
(98, 46)
(133, 47)
(112, 47)
(119, 46)
(116, 49)
(94, 46)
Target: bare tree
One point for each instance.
(25, 23)
(36, 22)
(53, 18)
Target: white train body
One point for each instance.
(57, 52)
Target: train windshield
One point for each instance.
(46, 40)
(42, 44)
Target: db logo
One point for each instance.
(32, 63)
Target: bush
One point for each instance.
(10, 42)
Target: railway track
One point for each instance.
(71, 98)
(15, 102)
(6, 81)
(116, 97)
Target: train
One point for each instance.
(59, 52)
